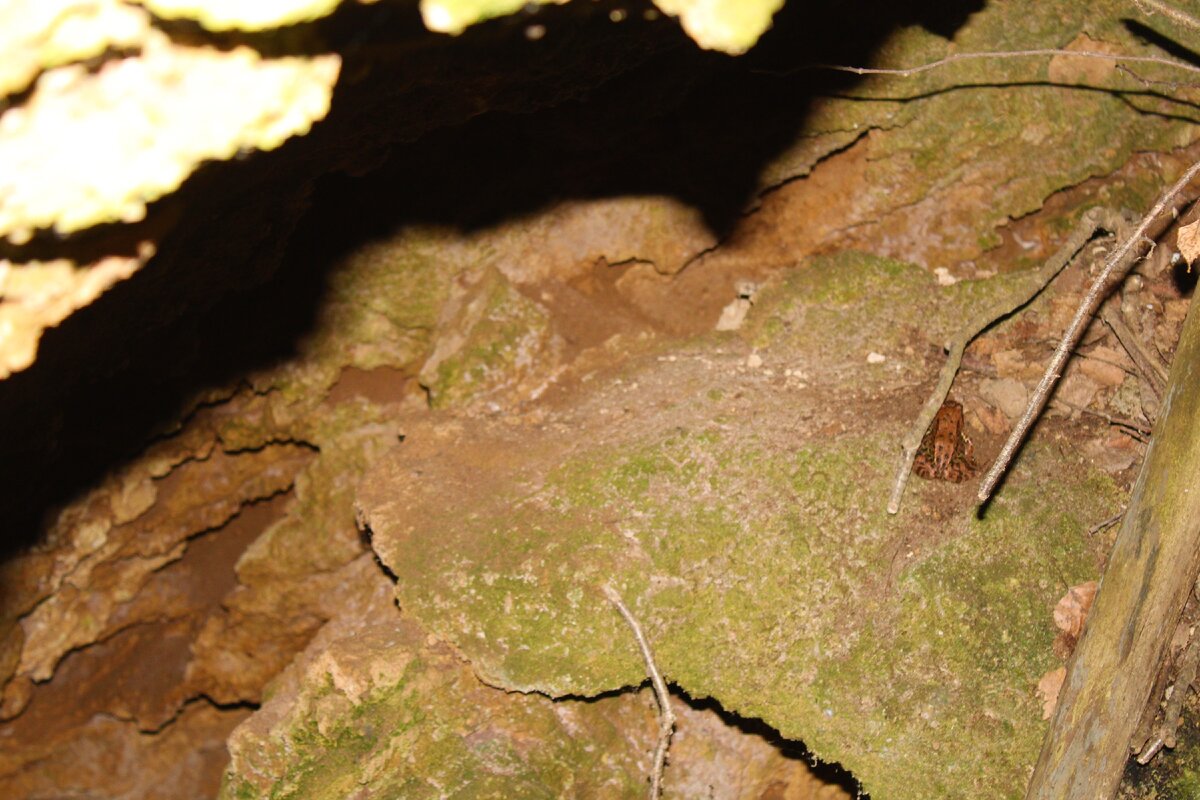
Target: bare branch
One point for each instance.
(666, 717)
(1041, 52)
(1149, 7)
(1108, 523)
(1148, 363)
(1115, 266)
(1147, 83)
(1010, 302)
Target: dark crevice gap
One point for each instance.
(364, 534)
(829, 772)
(243, 705)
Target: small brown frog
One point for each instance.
(945, 452)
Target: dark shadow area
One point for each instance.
(1184, 276)
(462, 131)
(667, 119)
(365, 536)
(827, 772)
(1173, 772)
(1160, 40)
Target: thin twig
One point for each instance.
(666, 717)
(1115, 266)
(1149, 83)
(1149, 364)
(1111, 419)
(997, 55)
(1165, 732)
(1028, 289)
(1108, 523)
(1149, 7)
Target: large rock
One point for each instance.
(740, 511)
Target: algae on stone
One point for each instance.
(490, 337)
(941, 158)
(376, 702)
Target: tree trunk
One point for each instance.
(1150, 573)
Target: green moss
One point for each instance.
(762, 564)
(971, 635)
(951, 656)
(382, 306)
(960, 139)
(854, 303)
(494, 339)
(437, 732)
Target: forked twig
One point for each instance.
(1093, 219)
(1115, 266)
(666, 717)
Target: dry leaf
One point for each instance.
(1188, 242)
(1048, 688)
(1070, 614)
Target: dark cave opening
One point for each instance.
(447, 131)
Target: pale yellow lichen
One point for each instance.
(455, 16)
(39, 295)
(222, 15)
(40, 34)
(95, 147)
(729, 25)
(732, 26)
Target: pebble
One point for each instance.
(1099, 367)
(1077, 389)
(1010, 363)
(1007, 394)
(944, 278)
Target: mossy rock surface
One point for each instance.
(375, 707)
(732, 490)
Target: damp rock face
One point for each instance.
(324, 430)
(376, 706)
(742, 516)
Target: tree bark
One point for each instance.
(1150, 573)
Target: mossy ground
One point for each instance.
(739, 512)
(429, 729)
(755, 550)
